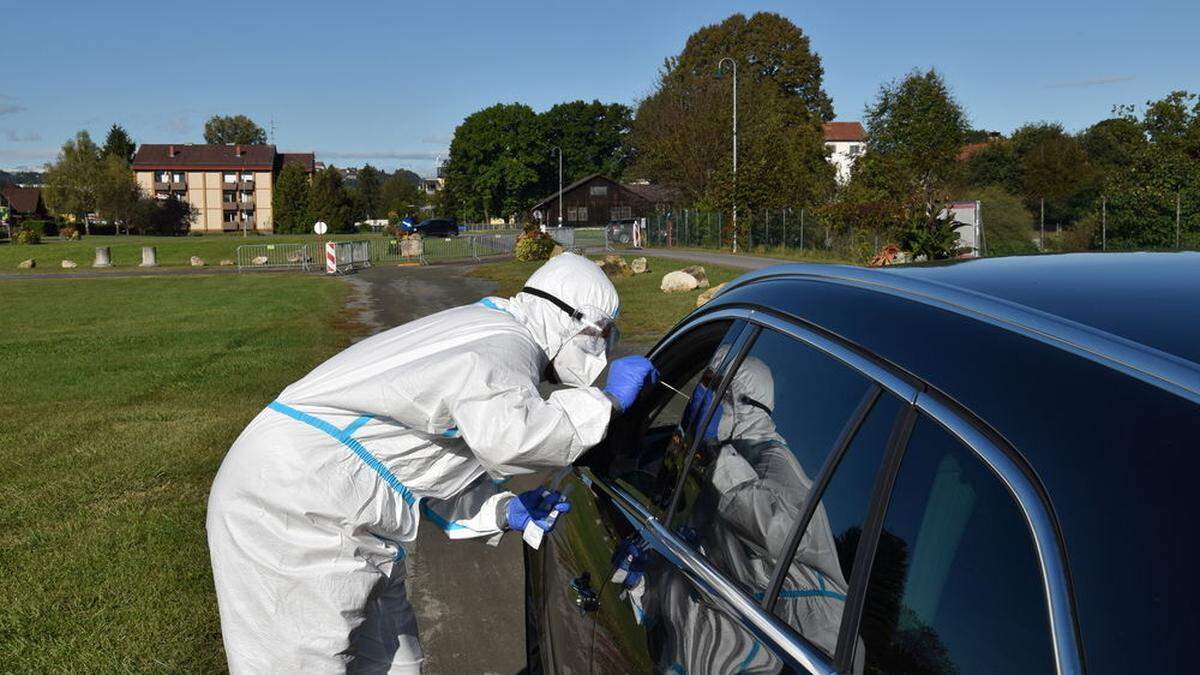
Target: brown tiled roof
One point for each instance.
(655, 194)
(307, 160)
(844, 131)
(22, 199)
(208, 157)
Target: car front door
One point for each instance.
(588, 610)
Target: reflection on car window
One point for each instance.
(812, 598)
(649, 445)
(767, 437)
(955, 585)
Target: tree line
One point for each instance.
(1131, 178)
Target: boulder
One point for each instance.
(196, 261)
(615, 266)
(299, 257)
(70, 264)
(698, 274)
(639, 266)
(27, 264)
(557, 250)
(227, 263)
(259, 260)
(708, 295)
(678, 282)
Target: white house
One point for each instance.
(844, 142)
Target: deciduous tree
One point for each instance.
(72, 180)
(494, 160)
(233, 129)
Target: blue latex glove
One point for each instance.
(701, 399)
(627, 376)
(540, 506)
(629, 564)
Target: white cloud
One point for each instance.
(9, 105)
(21, 136)
(1110, 79)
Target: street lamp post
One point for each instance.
(720, 65)
(558, 149)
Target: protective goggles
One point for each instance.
(588, 321)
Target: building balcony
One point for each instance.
(229, 206)
(246, 185)
(179, 185)
(160, 186)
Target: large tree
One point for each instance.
(681, 134)
(1054, 171)
(289, 203)
(233, 129)
(119, 144)
(915, 130)
(494, 161)
(329, 202)
(72, 181)
(593, 137)
(367, 189)
(400, 195)
(117, 193)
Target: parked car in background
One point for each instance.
(621, 230)
(977, 467)
(437, 227)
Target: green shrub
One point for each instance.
(27, 236)
(1007, 224)
(534, 245)
(44, 228)
(69, 233)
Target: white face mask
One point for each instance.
(579, 363)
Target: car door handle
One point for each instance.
(585, 598)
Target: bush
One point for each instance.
(27, 237)
(44, 228)
(1007, 224)
(534, 245)
(69, 233)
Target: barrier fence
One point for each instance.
(275, 257)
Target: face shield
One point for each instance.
(588, 336)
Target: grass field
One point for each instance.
(646, 312)
(121, 396)
(127, 251)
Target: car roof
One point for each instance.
(1147, 298)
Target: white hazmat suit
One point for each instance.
(310, 510)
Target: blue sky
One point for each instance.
(387, 82)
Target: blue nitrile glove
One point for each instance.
(629, 564)
(540, 506)
(701, 398)
(627, 376)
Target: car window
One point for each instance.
(812, 598)
(768, 436)
(647, 446)
(955, 583)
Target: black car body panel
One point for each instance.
(1082, 370)
(437, 227)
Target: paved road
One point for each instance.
(469, 597)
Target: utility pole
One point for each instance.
(721, 64)
(1103, 222)
(560, 211)
(1042, 235)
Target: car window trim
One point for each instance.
(868, 538)
(840, 445)
(765, 627)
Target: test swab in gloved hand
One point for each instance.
(680, 393)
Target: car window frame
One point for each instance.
(918, 398)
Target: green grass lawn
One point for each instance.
(127, 251)
(121, 396)
(646, 312)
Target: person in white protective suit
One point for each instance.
(309, 513)
(755, 490)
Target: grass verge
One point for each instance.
(127, 251)
(646, 312)
(121, 398)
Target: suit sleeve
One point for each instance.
(474, 513)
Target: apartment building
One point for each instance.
(230, 186)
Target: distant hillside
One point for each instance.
(6, 178)
(22, 177)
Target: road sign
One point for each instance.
(320, 227)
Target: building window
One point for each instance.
(228, 197)
(620, 212)
(829, 149)
(161, 194)
(855, 149)
(163, 176)
(230, 217)
(177, 177)
(247, 178)
(599, 191)
(229, 177)
(577, 214)
(246, 197)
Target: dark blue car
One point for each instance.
(980, 467)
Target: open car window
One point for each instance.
(647, 447)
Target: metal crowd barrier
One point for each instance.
(274, 257)
(347, 256)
